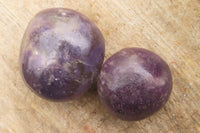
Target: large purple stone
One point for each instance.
(134, 83)
(61, 54)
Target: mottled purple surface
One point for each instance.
(61, 54)
(134, 83)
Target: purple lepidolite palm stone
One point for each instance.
(61, 54)
(134, 83)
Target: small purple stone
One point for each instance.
(61, 54)
(134, 83)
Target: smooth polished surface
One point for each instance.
(169, 28)
(134, 83)
(61, 54)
